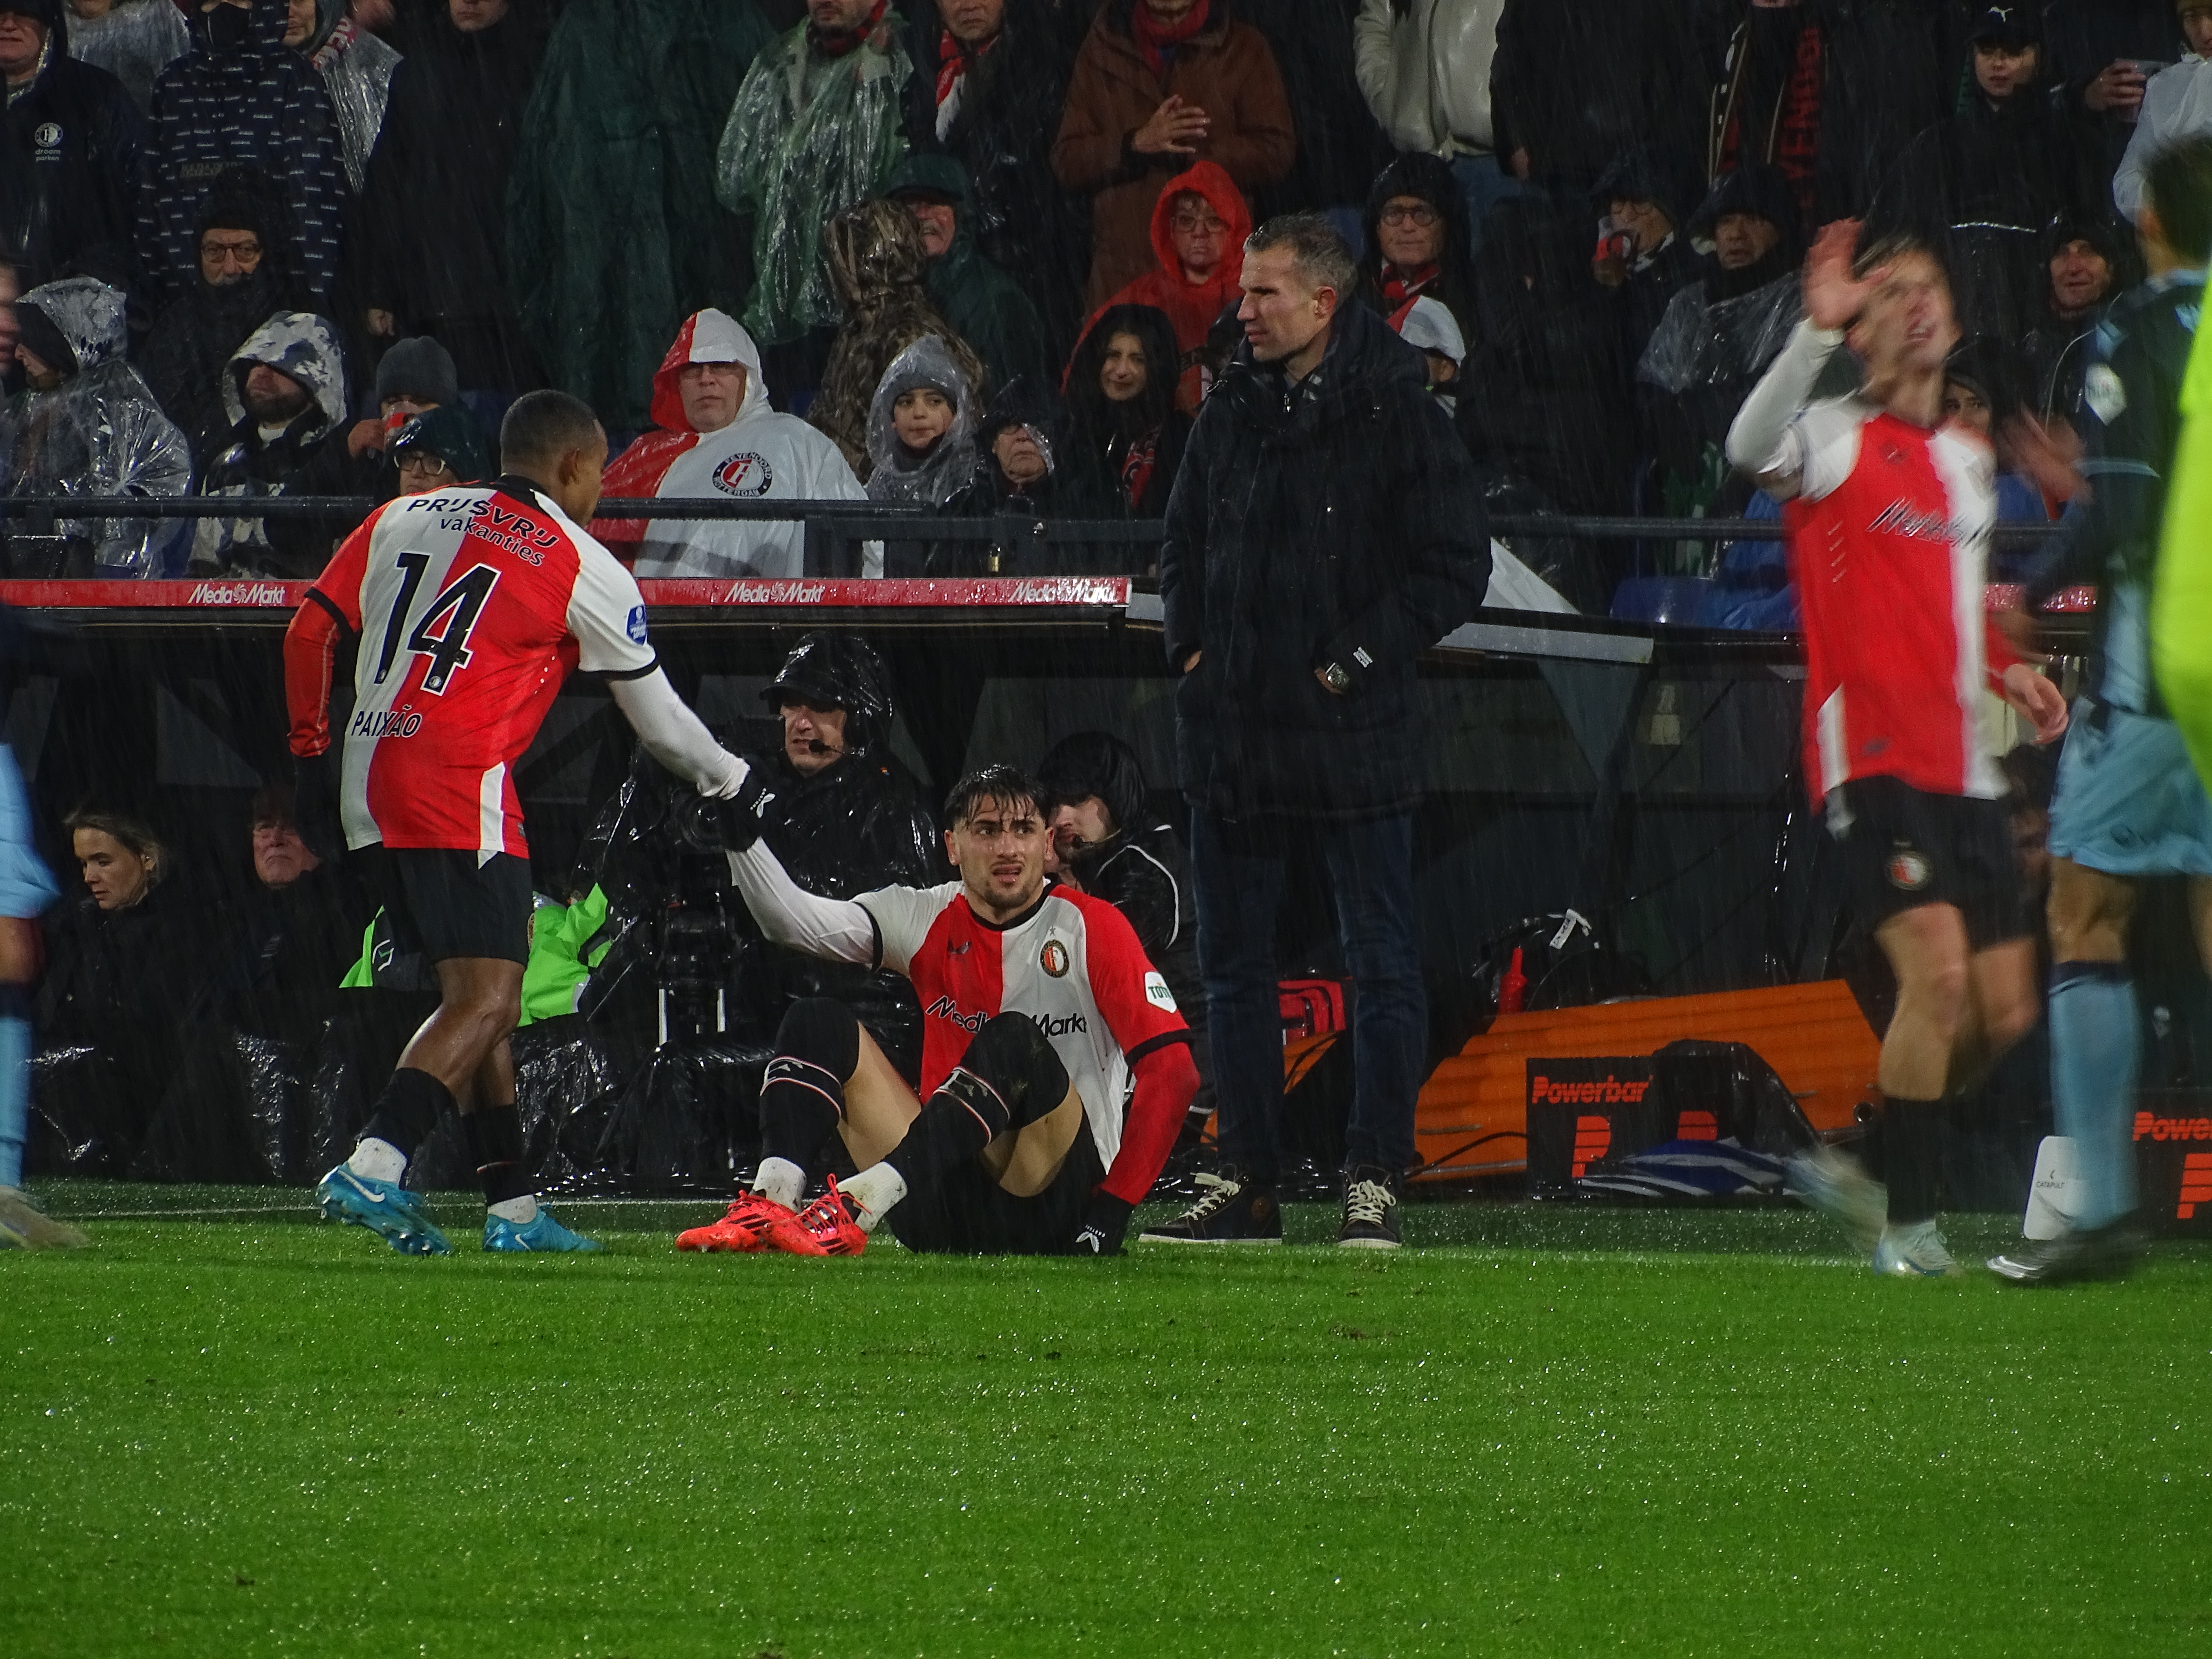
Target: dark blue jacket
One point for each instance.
(68, 166)
(1338, 521)
(250, 103)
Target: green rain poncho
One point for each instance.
(614, 235)
(2181, 612)
(809, 135)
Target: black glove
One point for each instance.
(1105, 1223)
(315, 804)
(708, 824)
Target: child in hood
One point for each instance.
(921, 428)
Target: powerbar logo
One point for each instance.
(2195, 1184)
(1612, 1091)
(270, 593)
(1593, 1139)
(2151, 1126)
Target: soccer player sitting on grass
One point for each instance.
(1889, 510)
(1041, 1018)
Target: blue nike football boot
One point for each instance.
(540, 1232)
(387, 1209)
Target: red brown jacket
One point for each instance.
(1226, 69)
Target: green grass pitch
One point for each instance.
(1568, 1430)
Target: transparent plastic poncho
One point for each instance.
(897, 476)
(1703, 342)
(808, 135)
(100, 432)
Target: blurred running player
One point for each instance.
(1055, 1067)
(470, 606)
(2129, 804)
(27, 888)
(1889, 512)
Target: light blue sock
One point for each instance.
(14, 1097)
(2096, 1055)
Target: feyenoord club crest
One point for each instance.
(748, 474)
(1907, 870)
(1054, 959)
(47, 134)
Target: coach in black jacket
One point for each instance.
(1326, 527)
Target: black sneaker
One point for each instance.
(1370, 1209)
(1231, 1209)
(2106, 1251)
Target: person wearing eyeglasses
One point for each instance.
(1417, 241)
(439, 449)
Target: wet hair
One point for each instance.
(1097, 763)
(1319, 253)
(543, 426)
(137, 838)
(2178, 185)
(1008, 785)
(1895, 244)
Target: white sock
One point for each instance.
(377, 1160)
(871, 1193)
(780, 1180)
(520, 1210)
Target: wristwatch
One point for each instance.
(1336, 678)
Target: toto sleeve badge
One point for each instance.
(1157, 992)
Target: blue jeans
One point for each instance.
(1238, 890)
(1484, 181)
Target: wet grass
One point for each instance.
(1572, 1429)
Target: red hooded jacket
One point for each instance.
(1193, 307)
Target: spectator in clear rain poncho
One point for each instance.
(86, 425)
(286, 397)
(356, 69)
(921, 428)
(921, 440)
(134, 40)
(816, 127)
(875, 260)
(717, 439)
(1721, 331)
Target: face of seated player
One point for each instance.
(1906, 325)
(999, 847)
(116, 877)
(280, 857)
(805, 725)
(1077, 824)
(713, 394)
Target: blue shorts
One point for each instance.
(2128, 800)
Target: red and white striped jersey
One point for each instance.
(1889, 546)
(472, 606)
(1072, 963)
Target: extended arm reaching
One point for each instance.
(1758, 440)
(838, 930)
(675, 737)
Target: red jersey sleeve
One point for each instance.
(331, 608)
(1138, 1007)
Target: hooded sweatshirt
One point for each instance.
(100, 432)
(242, 98)
(1192, 307)
(305, 348)
(761, 455)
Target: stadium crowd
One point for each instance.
(976, 256)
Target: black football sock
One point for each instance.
(1912, 1153)
(495, 1137)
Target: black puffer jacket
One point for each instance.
(1337, 522)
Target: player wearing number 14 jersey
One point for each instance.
(470, 607)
